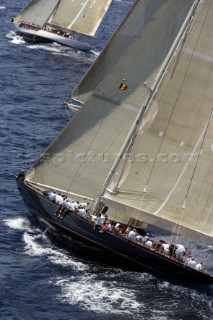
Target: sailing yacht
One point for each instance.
(61, 21)
(140, 148)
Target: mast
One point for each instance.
(52, 13)
(82, 156)
(152, 91)
(82, 17)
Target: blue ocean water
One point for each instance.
(39, 279)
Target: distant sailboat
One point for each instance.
(140, 148)
(61, 21)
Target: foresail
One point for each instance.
(169, 171)
(37, 12)
(118, 44)
(82, 156)
(137, 17)
(80, 16)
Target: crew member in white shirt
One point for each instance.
(199, 266)
(165, 248)
(192, 263)
(51, 195)
(148, 244)
(59, 199)
(83, 205)
(74, 206)
(179, 252)
(132, 235)
(82, 212)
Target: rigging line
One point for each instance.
(160, 75)
(110, 142)
(195, 148)
(183, 42)
(86, 153)
(52, 14)
(173, 233)
(154, 162)
(200, 140)
(205, 259)
(199, 153)
(137, 211)
(113, 67)
(181, 217)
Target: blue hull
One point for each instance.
(81, 229)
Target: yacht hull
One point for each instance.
(45, 36)
(137, 256)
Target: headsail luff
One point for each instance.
(80, 16)
(37, 12)
(168, 181)
(81, 157)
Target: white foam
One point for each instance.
(44, 47)
(18, 223)
(2, 8)
(15, 38)
(39, 245)
(97, 295)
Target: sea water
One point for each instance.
(40, 279)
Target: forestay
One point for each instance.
(80, 16)
(37, 12)
(81, 157)
(168, 178)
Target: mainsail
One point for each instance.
(167, 180)
(80, 16)
(165, 71)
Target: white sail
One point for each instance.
(81, 157)
(172, 155)
(80, 16)
(37, 12)
(117, 45)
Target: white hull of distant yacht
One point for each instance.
(43, 35)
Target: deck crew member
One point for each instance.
(192, 263)
(82, 212)
(106, 227)
(165, 248)
(83, 204)
(99, 221)
(199, 266)
(51, 195)
(59, 199)
(132, 234)
(149, 244)
(179, 252)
